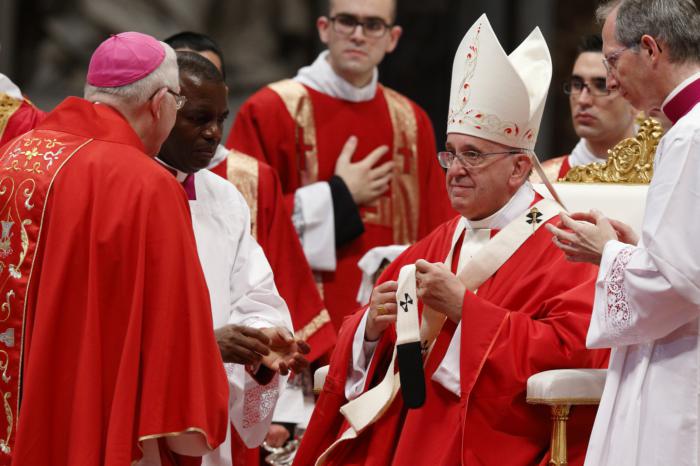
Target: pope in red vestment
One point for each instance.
(528, 311)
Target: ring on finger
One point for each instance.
(381, 310)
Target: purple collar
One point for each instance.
(683, 102)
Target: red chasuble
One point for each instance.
(555, 169)
(103, 295)
(17, 117)
(300, 133)
(272, 228)
(531, 316)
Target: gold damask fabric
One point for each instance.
(242, 170)
(8, 106)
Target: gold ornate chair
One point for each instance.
(618, 188)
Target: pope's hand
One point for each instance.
(286, 353)
(440, 289)
(583, 236)
(239, 344)
(382, 310)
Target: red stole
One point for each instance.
(17, 119)
(683, 102)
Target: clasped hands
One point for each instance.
(583, 236)
(273, 347)
(436, 286)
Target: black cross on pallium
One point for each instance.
(534, 217)
(407, 300)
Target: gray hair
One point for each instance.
(675, 22)
(136, 93)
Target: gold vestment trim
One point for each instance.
(242, 170)
(321, 319)
(298, 102)
(8, 106)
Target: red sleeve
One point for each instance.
(26, 118)
(293, 276)
(435, 207)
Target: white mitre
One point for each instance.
(496, 96)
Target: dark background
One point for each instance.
(46, 44)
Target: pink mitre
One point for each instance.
(124, 59)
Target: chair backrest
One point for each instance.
(618, 186)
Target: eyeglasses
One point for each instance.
(179, 99)
(470, 158)
(597, 86)
(610, 60)
(371, 27)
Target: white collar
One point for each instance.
(517, 204)
(180, 176)
(321, 77)
(582, 155)
(219, 156)
(9, 88)
(680, 87)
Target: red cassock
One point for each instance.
(17, 117)
(99, 268)
(531, 316)
(555, 169)
(300, 133)
(273, 229)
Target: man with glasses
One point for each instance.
(106, 322)
(503, 301)
(601, 116)
(355, 159)
(648, 290)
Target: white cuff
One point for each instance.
(370, 263)
(318, 238)
(362, 354)
(447, 373)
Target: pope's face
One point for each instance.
(479, 192)
(598, 117)
(353, 56)
(199, 125)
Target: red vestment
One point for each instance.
(304, 149)
(17, 117)
(531, 315)
(555, 169)
(118, 343)
(273, 229)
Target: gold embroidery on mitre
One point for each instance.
(8, 106)
(298, 102)
(630, 161)
(405, 195)
(243, 171)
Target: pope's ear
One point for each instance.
(154, 105)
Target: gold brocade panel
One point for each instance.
(8, 106)
(242, 170)
(27, 170)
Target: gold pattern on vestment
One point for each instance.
(298, 102)
(8, 106)
(242, 170)
(631, 161)
(551, 169)
(405, 199)
(321, 319)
